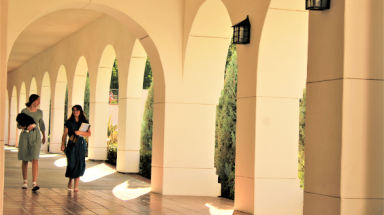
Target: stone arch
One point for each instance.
(206, 53)
(12, 115)
(271, 77)
(202, 79)
(130, 22)
(6, 118)
(79, 81)
(97, 149)
(57, 110)
(45, 102)
(33, 87)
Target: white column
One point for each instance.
(6, 118)
(44, 106)
(12, 120)
(131, 76)
(128, 150)
(344, 124)
(97, 149)
(57, 129)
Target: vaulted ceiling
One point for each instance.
(48, 31)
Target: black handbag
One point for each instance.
(72, 140)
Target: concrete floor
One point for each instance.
(102, 191)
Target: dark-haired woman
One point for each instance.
(76, 146)
(30, 142)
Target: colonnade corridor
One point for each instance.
(102, 191)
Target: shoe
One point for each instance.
(25, 185)
(35, 187)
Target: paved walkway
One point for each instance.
(102, 191)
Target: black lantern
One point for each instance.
(317, 4)
(242, 32)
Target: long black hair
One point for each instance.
(32, 99)
(82, 117)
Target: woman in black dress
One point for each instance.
(76, 147)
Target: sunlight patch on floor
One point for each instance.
(61, 162)
(96, 172)
(123, 192)
(215, 210)
(48, 155)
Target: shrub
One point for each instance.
(303, 110)
(225, 141)
(112, 143)
(146, 135)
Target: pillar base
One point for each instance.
(128, 161)
(185, 181)
(55, 148)
(97, 153)
(244, 195)
(278, 197)
(12, 142)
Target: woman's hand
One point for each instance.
(43, 140)
(78, 133)
(62, 148)
(30, 127)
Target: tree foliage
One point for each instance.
(147, 75)
(86, 97)
(302, 117)
(115, 78)
(225, 141)
(146, 135)
(112, 133)
(66, 105)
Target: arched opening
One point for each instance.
(6, 118)
(191, 144)
(130, 109)
(45, 106)
(12, 115)
(33, 87)
(97, 148)
(57, 111)
(79, 82)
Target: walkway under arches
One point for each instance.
(102, 191)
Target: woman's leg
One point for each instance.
(35, 168)
(76, 184)
(69, 183)
(24, 170)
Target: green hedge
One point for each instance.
(225, 141)
(112, 143)
(146, 135)
(302, 114)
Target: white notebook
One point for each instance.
(84, 127)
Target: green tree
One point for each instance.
(115, 78)
(146, 135)
(86, 97)
(225, 141)
(147, 75)
(66, 105)
(231, 51)
(302, 116)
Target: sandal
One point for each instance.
(35, 187)
(25, 185)
(76, 190)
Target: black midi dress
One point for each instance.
(75, 152)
